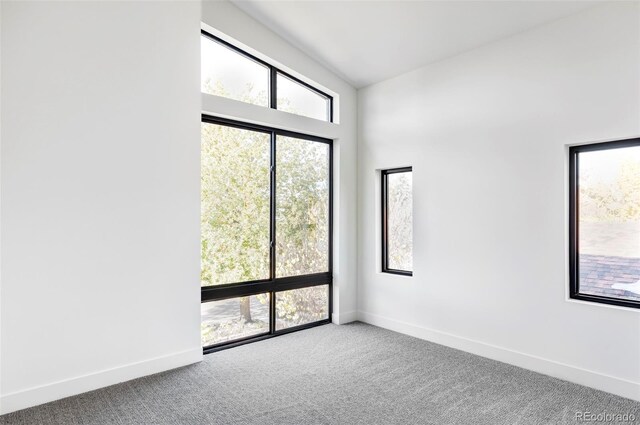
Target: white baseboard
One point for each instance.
(56, 390)
(43, 394)
(346, 317)
(610, 384)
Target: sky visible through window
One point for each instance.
(297, 99)
(227, 73)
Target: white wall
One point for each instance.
(100, 194)
(100, 171)
(0, 207)
(486, 133)
(229, 22)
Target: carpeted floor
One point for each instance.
(351, 374)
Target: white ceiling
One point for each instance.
(368, 41)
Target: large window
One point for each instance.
(605, 222)
(265, 232)
(397, 221)
(231, 72)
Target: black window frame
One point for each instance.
(273, 284)
(273, 76)
(384, 186)
(574, 225)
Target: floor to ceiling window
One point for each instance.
(266, 220)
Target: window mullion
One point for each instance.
(272, 245)
(273, 88)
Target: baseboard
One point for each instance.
(56, 390)
(346, 317)
(610, 384)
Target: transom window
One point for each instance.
(604, 222)
(228, 71)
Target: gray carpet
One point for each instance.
(350, 374)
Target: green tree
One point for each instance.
(618, 200)
(235, 209)
(302, 207)
(400, 212)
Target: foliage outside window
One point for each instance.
(235, 228)
(397, 221)
(265, 205)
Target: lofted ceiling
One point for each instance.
(369, 41)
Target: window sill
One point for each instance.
(598, 304)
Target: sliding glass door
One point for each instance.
(265, 232)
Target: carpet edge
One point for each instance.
(35, 396)
(610, 384)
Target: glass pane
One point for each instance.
(302, 207)
(298, 99)
(609, 223)
(301, 306)
(235, 318)
(235, 179)
(400, 221)
(225, 72)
